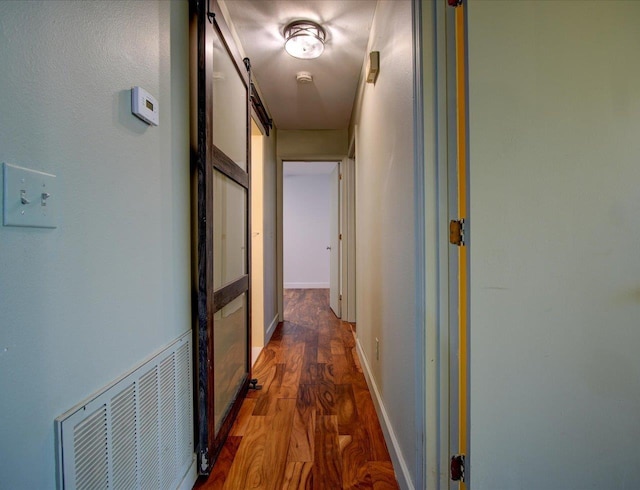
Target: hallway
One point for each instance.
(313, 425)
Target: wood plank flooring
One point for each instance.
(313, 425)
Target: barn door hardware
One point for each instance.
(210, 15)
(203, 457)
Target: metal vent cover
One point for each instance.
(135, 433)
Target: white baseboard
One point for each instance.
(270, 330)
(190, 476)
(306, 285)
(403, 476)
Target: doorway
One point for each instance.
(257, 241)
(311, 227)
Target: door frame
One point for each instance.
(438, 148)
(207, 21)
(257, 252)
(335, 240)
(458, 201)
(348, 233)
(348, 212)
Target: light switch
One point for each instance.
(29, 197)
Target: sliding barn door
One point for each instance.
(223, 336)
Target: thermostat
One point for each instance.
(144, 106)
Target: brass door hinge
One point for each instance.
(457, 232)
(457, 467)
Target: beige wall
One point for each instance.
(554, 105)
(385, 229)
(312, 144)
(84, 303)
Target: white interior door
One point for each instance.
(334, 247)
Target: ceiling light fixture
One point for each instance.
(304, 39)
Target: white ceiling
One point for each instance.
(327, 102)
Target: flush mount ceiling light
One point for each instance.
(304, 39)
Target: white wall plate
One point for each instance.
(30, 198)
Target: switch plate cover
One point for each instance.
(30, 198)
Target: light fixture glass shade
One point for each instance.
(304, 39)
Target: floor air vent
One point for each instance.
(136, 433)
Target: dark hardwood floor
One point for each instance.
(313, 425)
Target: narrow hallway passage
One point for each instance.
(313, 425)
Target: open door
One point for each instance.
(222, 336)
(335, 296)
